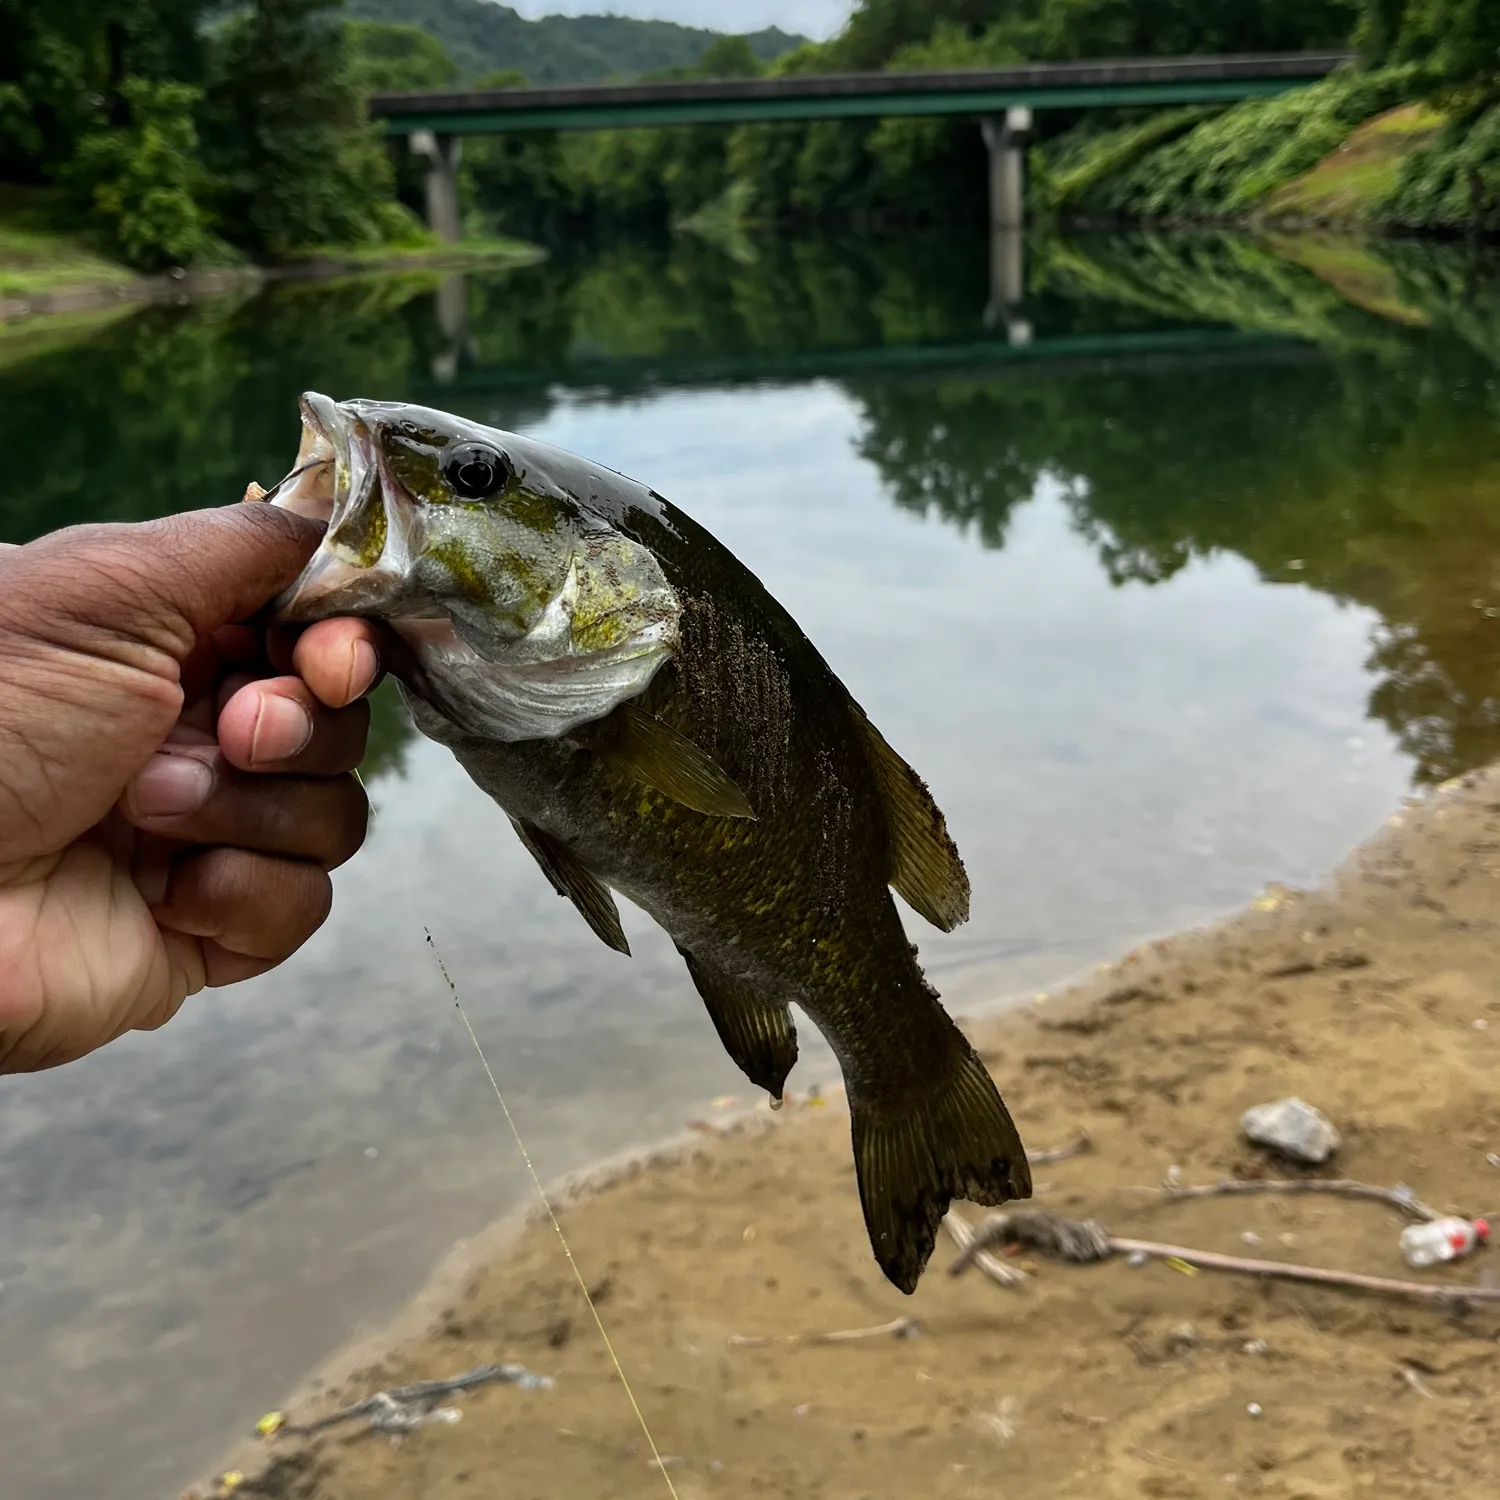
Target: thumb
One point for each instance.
(152, 588)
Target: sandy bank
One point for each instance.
(1378, 999)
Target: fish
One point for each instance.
(655, 725)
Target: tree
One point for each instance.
(142, 183)
(63, 65)
(393, 59)
(285, 132)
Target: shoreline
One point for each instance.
(194, 286)
(1357, 996)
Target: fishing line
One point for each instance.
(541, 1193)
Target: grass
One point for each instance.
(34, 259)
(1351, 183)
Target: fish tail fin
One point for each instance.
(912, 1161)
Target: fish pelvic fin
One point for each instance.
(584, 889)
(956, 1142)
(658, 756)
(759, 1034)
(926, 870)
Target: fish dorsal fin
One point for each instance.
(658, 756)
(925, 868)
(569, 878)
(757, 1033)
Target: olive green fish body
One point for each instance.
(742, 799)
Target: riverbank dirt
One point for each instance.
(1377, 999)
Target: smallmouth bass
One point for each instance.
(655, 724)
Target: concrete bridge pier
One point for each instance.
(442, 154)
(1005, 136)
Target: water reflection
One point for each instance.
(1129, 591)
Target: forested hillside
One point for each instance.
(484, 37)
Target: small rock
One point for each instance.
(1254, 1346)
(1136, 1259)
(1183, 1336)
(1293, 1128)
(1250, 1237)
(1254, 1408)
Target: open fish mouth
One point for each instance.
(337, 479)
(322, 479)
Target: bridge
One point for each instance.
(1002, 99)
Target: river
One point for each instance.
(1172, 581)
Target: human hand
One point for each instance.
(169, 806)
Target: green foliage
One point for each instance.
(1076, 164)
(393, 59)
(483, 37)
(1452, 182)
(142, 182)
(63, 64)
(285, 134)
(1457, 41)
(1227, 164)
(731, 57)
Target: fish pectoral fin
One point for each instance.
(569, 878)
(926, 870)
(657, 755)
(956, 1140)
(757, 1033)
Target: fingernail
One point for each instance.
(282, 729)
(363, 667)
(170, 786)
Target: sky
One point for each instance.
(813, 18)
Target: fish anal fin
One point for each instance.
(757, 1033)
(926, 870)
(956, 1141)
(569, 878)
(656, 755)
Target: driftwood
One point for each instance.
(1400, 1197)
(899, 1328)
(1082, 1241)
(408, 1407)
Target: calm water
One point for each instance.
(1175, 595)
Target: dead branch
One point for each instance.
(961, 1232)
(1400, 1197)
(900, 1328)
(408, 1407)
(1081, 1143)
(1082, 1241)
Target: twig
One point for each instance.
(901, 1328)
(961, 1232)
(409, 1406)
(1083, 1241)
(1385, 1285)
(1400, 1197)
(1081, 1143)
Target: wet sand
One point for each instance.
(1378, 999)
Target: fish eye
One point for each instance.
(475, 471)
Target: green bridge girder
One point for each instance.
(989, 91)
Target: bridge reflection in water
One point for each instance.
(1014, 349)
